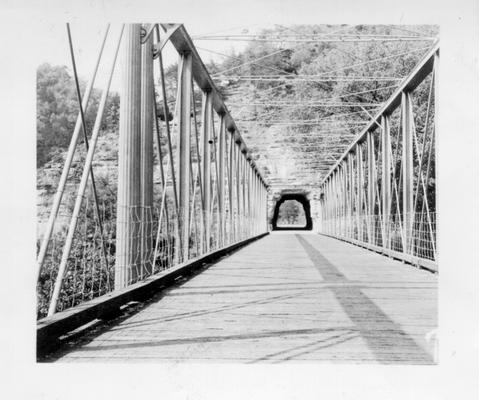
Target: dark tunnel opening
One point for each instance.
(288, 218)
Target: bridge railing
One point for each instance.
(185, 184)
(381, 194)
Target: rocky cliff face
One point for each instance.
(105, 167)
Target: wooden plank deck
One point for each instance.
(287, 297)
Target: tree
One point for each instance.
(289, 212)
(58, 108)
(55, 109)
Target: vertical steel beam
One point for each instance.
(221, 179)
(324, 208)
(238, 183)
(255, 202)
(249, 194)
(146, 154)
(386, 178)
(360, 182)
(340, 173)
(335, 196)
(243, 190)
(206, 140)
(371, 187)
(263, 207)
(331, 204)
(241, 186)
(338, 198)
(327, 221)
(407, 165)
(339, 194)
(260, 184)
(345, 198)
(351, 194)
(231, 186)
(183, 150)
(127, 230)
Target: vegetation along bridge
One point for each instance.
(192, 246)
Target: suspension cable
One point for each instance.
(81, 190)
(85, 136)
(357, 65)
(68, 161)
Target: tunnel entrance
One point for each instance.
(292, 212)
(291, 215)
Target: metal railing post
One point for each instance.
(231, 186)
(238, 183)
(371, 187)
(221, 179)
(183, 151)
(206, 146)
(360, 213)
(407, 172)
(386, 179)
(146, 155)
(129, 160)
(351, 194)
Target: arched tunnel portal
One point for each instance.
(300, 198)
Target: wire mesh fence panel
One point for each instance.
(89, 270)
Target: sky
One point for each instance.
(87, 38)
(200, 17)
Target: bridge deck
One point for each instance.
(285, 297)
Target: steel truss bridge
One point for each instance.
(180, 263)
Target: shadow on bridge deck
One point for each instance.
(287, 297)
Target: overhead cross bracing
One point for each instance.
(271, 96)
(306, 78)
(315, 38)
